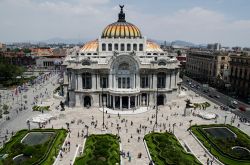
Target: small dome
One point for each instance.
(121, 28)
(90, 46)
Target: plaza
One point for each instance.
(130, 127)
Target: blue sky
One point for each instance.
(198, 21)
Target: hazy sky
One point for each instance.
(198, 21)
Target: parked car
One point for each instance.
(217, 96)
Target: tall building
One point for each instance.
(122, 69)
(240, 74)
(208, 66)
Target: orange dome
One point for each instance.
(121, 28)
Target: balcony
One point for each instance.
(124, 90)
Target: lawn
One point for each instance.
(34, 152)
(100, 150)
(165, 149)
(220, 140)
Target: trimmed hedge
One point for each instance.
(41, 154)
(221, 148)
(100, 150)
(165, 149)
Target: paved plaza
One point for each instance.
(131, 127)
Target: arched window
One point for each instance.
(109, 47)
(128, 47)
(94, 53)
(116, 46)
(86, 62)
(123, 66)
(89, 54)
(162, 63)
(122, 47)
(82, 54)
(141, 47)
(149, 54)
(103, 47)
(161, 80)
(86, 81)
(135, 47)
(155, 54)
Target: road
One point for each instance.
(219, 98)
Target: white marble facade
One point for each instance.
(121, 69)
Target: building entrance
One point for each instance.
(87, 101)
(125, 102)
(160, 100)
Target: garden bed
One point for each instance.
(221, 141)
(165, 149)
(32, 153)
(40, 108)
(100, 150)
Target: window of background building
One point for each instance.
(122, 47)
(141, 47)
(116, 46)
(144, 81)
(128, 47)
(104, 81)
(103, 47)
(161, 80)
(135, 47)
(109, 47)
(86, 81)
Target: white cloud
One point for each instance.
(43, 19)
(197, 24)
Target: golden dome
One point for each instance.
(90, 46)
(121, 28)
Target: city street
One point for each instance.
(217, 97)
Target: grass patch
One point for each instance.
(221, 147)
(100, 150)
(35, 154)
(201, 105)
(165, 149)
(40, 108)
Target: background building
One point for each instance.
(208, 66)
(240, 74)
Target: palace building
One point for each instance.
(120, 70)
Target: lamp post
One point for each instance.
(102, 108)
(173, 127)
(156, 109)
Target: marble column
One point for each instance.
(113, 102)
(93, 81)
(79, 81)
(167, 81)
(120, 102)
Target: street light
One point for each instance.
(156, 109)
(102, 107)
(173, 127)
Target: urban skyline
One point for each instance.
(226, 22)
